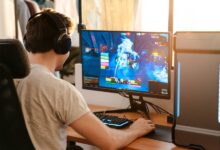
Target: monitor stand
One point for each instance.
(137, 104)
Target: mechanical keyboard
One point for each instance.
(113, 121)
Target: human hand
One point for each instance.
(142, 126)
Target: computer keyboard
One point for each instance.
(113, 121)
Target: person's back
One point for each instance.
(50, 104)
(43, 104)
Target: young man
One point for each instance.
(50, 104)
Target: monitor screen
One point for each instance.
(135, 62)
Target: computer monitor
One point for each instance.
(135, 62)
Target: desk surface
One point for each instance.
(138, 144)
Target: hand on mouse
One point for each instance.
(143, 126)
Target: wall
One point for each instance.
(114, 99)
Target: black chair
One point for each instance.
(13, 64)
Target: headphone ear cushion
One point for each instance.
(62, 44)
(26, 44)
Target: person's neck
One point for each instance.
(46, 59)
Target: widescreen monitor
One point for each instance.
(134, 62)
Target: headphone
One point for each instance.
(62, 42)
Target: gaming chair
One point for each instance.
(13, 64)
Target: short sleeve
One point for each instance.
(71, 105)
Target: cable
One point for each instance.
(157, 108)
(123, 94)
(137, 104)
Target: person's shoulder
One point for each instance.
(62, 82)
(41, 75)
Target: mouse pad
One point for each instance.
(161, 133)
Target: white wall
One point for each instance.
(7, 19)
(114, 99)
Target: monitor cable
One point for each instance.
(155, 107)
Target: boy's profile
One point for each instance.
(50, 104)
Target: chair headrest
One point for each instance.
(14, 56)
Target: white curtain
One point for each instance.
(92, 13)
(139, 15)
(109, 14)
(7, 19)
(152, 15)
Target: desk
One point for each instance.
(138, 144)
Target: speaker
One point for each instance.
(62, 41)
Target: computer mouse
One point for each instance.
(152, 132)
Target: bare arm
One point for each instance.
(106, 138)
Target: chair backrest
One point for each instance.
(13, 64)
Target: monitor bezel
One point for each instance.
(136, 93)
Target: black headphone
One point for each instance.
(62, 42)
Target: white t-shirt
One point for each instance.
(49, 104)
